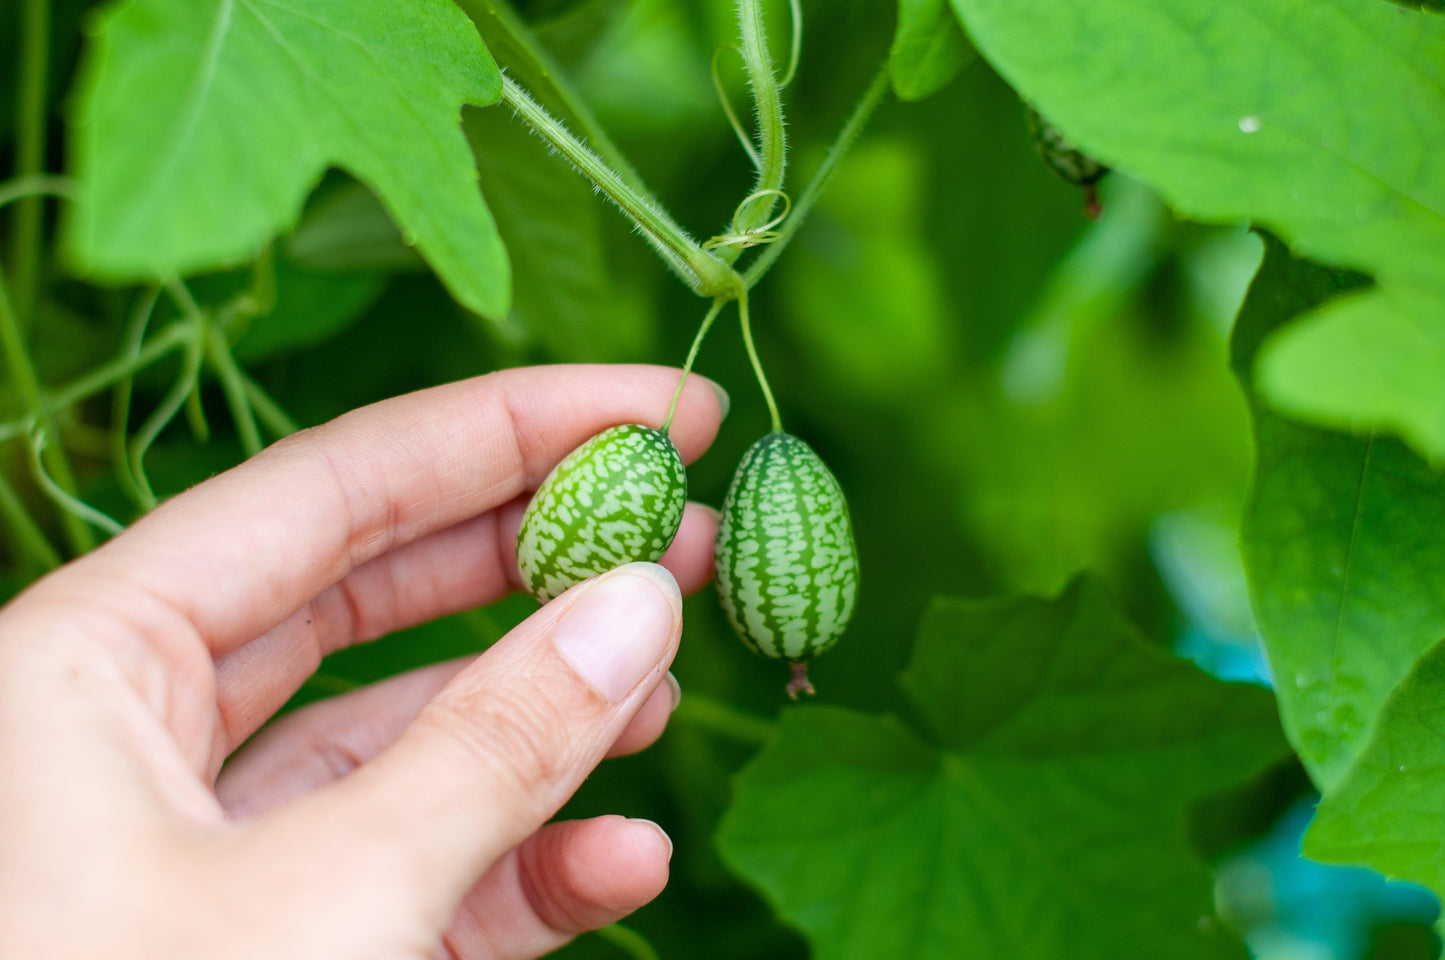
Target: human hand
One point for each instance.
(402, 820)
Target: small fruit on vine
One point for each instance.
(1063, 156)
(787, 567)
(616, 499)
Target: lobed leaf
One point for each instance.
(1041, 815)
(200, 127)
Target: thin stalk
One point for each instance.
(796, 51)
(728, 111)
(268, 411)
(30, 152)
(233, 385)
(23, 373)
(702, 330)
(704, 273)
(114, 371)
(28, 535)
(723, 719)
(120, 401)
(768, 102)
(36, 185)
(69, 504)
(170, 405)
(629, 941)
(854, 125)
(757, 364)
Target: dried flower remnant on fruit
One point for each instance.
(1063, 156)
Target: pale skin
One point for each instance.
(405, 820)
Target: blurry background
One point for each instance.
(1008, 392)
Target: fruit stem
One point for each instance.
(702, 330)
(757, 364)
(800, 683)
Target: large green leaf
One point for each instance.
(1320, 119)
(200, 127)
(1341, 543)
(1387, 813)
(1041, 812)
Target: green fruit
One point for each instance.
(1061, 154)
(616, 499)
(787, 568)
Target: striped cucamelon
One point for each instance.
(787, 568)
(1061, 154)
(616, 499)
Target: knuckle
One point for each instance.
(518, 738)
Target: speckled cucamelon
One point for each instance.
(616, 499)
(787, 568)
(1061, 154)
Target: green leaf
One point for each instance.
(1341, 543)
(1042, 813)
(1262, 110)
(1271, 111)
(200, 127)
(1387, 814)
(1372, 361)
(929, 49)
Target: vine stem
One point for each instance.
(723, 719)
(18, 520)
(706, 274)
(772, 150)
(852, 127)
(713, 311)
(757, 364)
(30, 152)
(23, 373)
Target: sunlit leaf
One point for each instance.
(200, 127)
(1341, 542)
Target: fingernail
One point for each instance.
(723, 400)
(709, 510)
(658, 827)
(615, 633)
(675, 688)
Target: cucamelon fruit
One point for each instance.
(616, 499)
(787, 567)
(1063, 156)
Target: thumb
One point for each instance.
(507, 741)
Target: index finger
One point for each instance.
(235, 555)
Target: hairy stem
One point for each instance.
(30, 152)
(768, 102)
(854, 125)
(704, 273)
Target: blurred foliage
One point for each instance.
(1009, 393)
